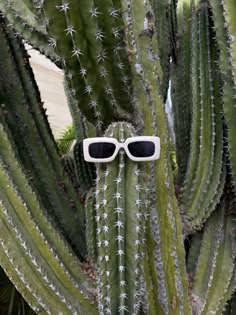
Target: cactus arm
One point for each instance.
(84, 171)
(195, 128)
(168, 234)
(102, 61)
(19, 284)
(91, 225)
(182, 103)
(20, 9)
(225, 283)
(18, 119)
(215, 273)
(208, 254)
(162, 14)
(229, 8)
(122, 214)
(27, 79)
(119, 78)
(88, 58)
(205, 100)
(218, 172)
(33, 6)
(51, 236)
(93, 57)
(80, 123)
(194, 253)
(32, 241)
(223, 36)
(152, 276)
(173, 28)
(68, 165)
(73, 104)
(5, 238)
(230, 112)
(222, 304)
(72, 55)
(14, 252)
(38, 38)
(207, 177)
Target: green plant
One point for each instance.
(112, 242)
(66, 139)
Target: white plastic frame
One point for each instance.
(119, 145)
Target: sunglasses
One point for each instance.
(103, 150)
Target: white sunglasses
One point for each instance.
(103, 149)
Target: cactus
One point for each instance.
(203, 180)
(119, 219)
(79, 238)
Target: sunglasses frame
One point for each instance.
(121, 145)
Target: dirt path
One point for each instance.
(50, 82)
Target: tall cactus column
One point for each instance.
(120, 218)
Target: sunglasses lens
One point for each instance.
(141, 149)
(101, 150)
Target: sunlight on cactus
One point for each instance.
(121, 237)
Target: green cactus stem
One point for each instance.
(194, 253)
(33, 246)
(85, 172)
(203, 180)
(21, 111)
(68, 165)
(181, 97)
(166, 38)
(229, 14)
(91, 225)
(165, 226)
(223, 12)
(94, 56)
(33, 30)
(214, 278)
(119, 215)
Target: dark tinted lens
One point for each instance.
(101, 150)
(141, 149)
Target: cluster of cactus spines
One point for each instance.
(29, 26)
(223, 14)
(34, 248)
(203, 181)
(120, 233)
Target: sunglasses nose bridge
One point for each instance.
(121, 145)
